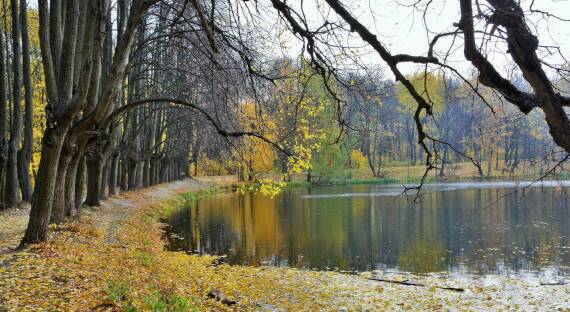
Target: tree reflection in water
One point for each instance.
(365, 227)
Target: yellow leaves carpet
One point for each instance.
(112, 258)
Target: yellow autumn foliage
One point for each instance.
(359, 161)
(297, 118)
(38, 82)
(255, 154)
(430, 87)
(210, 167)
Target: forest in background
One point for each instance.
(379, 133)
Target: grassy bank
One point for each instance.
(398, 174)
(356, 181)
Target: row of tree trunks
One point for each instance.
(72, 39)
(102, 176)
(15, 155)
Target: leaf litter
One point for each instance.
(113, 258)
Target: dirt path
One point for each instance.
(13, 224)
(73, 270)
(114, 210)
(107, 217)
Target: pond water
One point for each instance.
(477, 228)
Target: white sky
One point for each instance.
(401, 28)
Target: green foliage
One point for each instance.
(329, 165)
(191, 198)
(144, 258)
(119, 294)
(429, 86)
(159, 302)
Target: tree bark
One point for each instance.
(3, 115)
(94, 164)
(70, 179)
(80, 182)
(113, 174)
(25, 154)
(12, 191)
(443, 161)
(37, 230)
(146, 173)
(132, 174)
(140, 173)
(105, 178)
(124, 175)
(163, 172)
(58, 206)
(489, 161)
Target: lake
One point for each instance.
(474, 228)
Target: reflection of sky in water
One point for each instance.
(456, 228)
(395, 190)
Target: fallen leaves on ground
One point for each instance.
(82, 269)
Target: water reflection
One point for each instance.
(478, 231)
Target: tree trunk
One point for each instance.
(146, 173)
(132, 175)
(105, 178)
(94, 164)
(152, 176)
(157, 171)
(477, 157)
(12, 191)
(70, 181)
(444, 159)
(497, 157)
(80, 182)
(25, 154)
(490, 161)
(24, 178)
(124, 175)
(3, 115)
(113, 174)
(58, 206)
(37, 230)
(515, 161)
(163, 172)
(140, 173)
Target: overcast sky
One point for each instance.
(401, 27)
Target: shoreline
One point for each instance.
(111, 258)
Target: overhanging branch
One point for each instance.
(181, 103)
